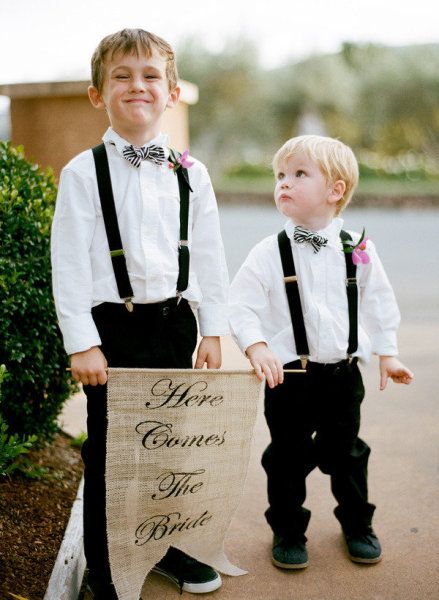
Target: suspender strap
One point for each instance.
(294, 303)
(293, 296)
(111, 225)
(183, 249)
(352, 293)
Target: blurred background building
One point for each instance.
(54, 121)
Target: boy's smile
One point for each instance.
(135, 94)
(303, 194)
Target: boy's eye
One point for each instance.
(280, 176)
(300, 173)
(121, 76)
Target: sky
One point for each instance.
(48, 40)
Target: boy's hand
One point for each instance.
(391, 367)
(209, 352)
(266, 364)
(88, 367)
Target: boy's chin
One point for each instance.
(288, 214)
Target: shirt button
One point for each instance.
(165, 311)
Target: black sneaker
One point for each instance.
(289, 554)
(188, 574)
(363, 547)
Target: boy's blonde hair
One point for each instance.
(335, 160)
(129, 41)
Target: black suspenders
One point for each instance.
(117, 252)
(352, 292)
(294, 302)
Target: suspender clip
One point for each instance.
(183, 243)
(303, 361)
(290, 278)
(120, 252)
(350, 359)
(128, 304)
(351, 280)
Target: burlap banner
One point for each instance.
(178, 448)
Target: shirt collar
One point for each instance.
(116, 140)
(331, 231)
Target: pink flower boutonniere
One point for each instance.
(175, 162)
(359, 254)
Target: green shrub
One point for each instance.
(12, 449)
(245, 170)
(30, 341)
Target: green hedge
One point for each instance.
(30, 342)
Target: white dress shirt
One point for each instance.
(147, 204)
(259, 308)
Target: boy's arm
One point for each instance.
(248, 311)
(380, 317)
(72, 232)
(379, 313)
(209, 263)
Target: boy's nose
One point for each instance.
(138, 84)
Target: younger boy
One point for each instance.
(299, 303)
(128, 272)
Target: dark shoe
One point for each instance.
(363, 547)
(188, 574)
(289, 554)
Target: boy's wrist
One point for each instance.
(250, 349)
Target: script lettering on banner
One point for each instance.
(178, 447)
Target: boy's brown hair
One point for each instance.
(130, 41)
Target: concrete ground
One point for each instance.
(401, 426)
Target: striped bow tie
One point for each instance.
(302, 235)
(135, 155)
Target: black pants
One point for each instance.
(314, 419)
(160, 335)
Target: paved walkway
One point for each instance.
(401, 426)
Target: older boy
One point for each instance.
(135, 247)
(294, 308)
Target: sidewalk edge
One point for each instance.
(68, 571)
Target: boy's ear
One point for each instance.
(337, 190)
(173, 97)
(95, 97)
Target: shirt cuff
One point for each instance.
(79, 333)
(384, 343)
(250, 337)
(212, 319)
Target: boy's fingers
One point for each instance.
(267, 371)
(258, 371)
(76, 376)
(212, 363)
(102, 377)
(280, 370)
(201, 358)
(93, 380)
(383, 381)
